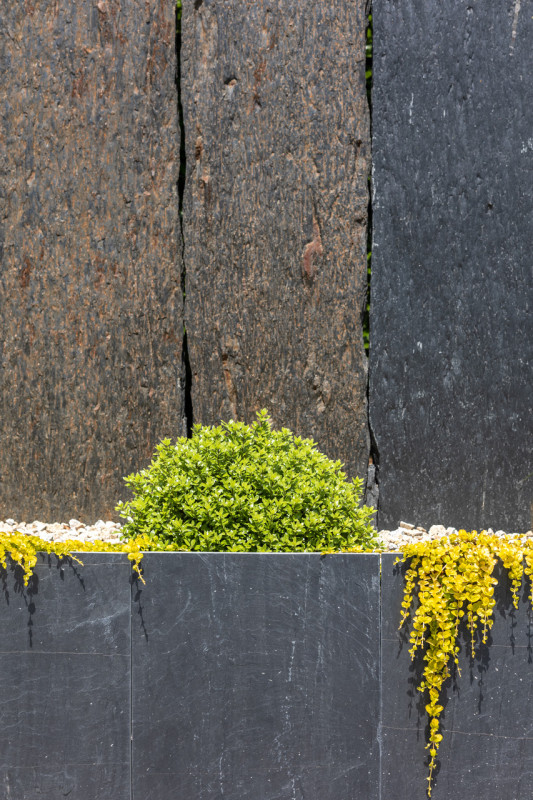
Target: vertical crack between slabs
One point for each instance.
(186, 372)
(372, 479)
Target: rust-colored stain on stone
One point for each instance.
(311, 251)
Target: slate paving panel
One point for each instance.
(65, 667)
(451, 360)
(91, 322)
(256, 676)
(275, 216)
(487, 750)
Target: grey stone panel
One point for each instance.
(452, 272)
(91, 323)
(275, 216)
(256, 676)
(65, 664)
(487, 750)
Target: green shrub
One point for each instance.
(237, 487)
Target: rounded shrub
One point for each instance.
(238, 487)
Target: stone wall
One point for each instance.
(275, 216)
(452, 272)
(91, 304)
(247, 675)
(216, 181)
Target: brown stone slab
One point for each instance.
(90, 297)
(275, 215)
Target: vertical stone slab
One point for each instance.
(275, 214)
(256, 676)
(452, 278)
(90, 296)
(487, 750)
(66, 679)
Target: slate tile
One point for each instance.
(66, 682)
(256, 675)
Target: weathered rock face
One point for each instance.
(452, 280)
(90, 295)
(275, 213)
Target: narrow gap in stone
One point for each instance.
(188, 380)
(185, 362)
(372, 480)
(368, 78)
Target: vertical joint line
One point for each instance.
(131, 691)
(380, 681)
(185, 362)
(372, 482)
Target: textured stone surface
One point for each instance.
(66, 679)
(487, 750)
(275, 212)
(90, 297)
(256, 676)
(452, 280)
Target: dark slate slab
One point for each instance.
(65, 664)
(487, 750)
(256, 676)
(90, 298)
(452, 280)
(275, 216)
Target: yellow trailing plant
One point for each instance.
(23, 550)
(453, 580)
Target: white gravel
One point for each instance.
(393, 541)
(406, 533)
(61, 531)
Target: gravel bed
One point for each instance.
(393, 541)
(61, 531)
(406, 533)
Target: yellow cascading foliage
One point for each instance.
(453, 579)
(23, 550)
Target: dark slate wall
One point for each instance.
(90, 297)
(487, 750)
(452, 280)
(65, 656)
(247, 675)
(275, 212)
(256, 676)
